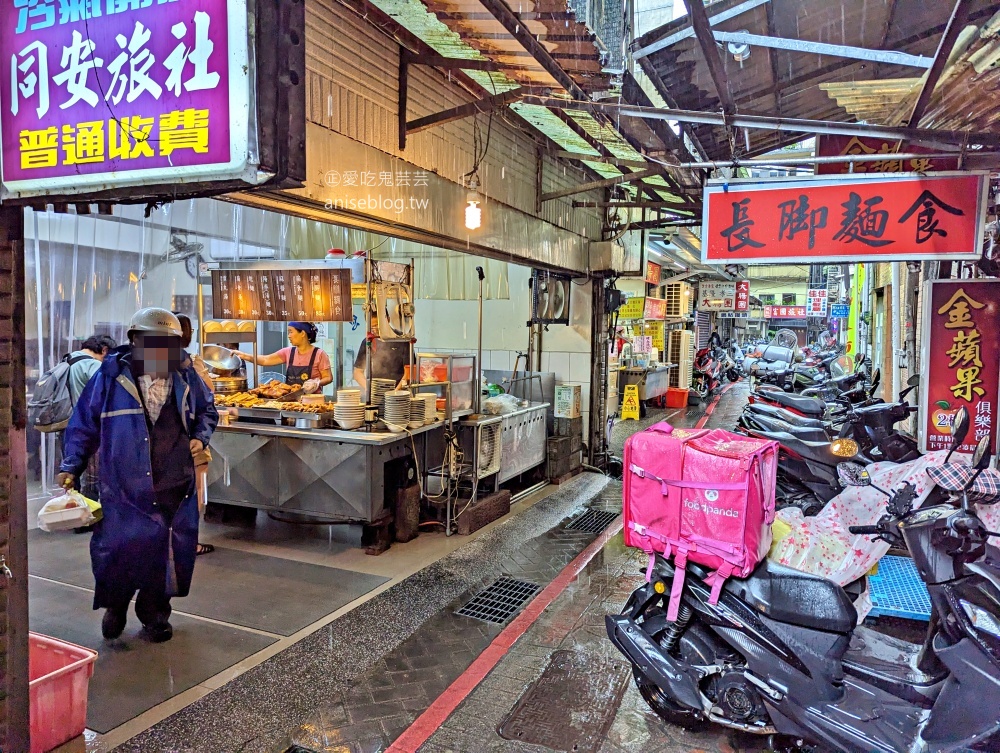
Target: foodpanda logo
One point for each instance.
(708, 509)
(711, 495)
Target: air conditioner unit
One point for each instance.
(550, 296)
(680, 299)
(680, 350)
(393, 319)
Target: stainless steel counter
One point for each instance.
(331, 474)
(524, 435)
(653, 382)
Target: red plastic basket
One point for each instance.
(676, 397)
(59, 677)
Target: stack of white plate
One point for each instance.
(349, 397)
(417, 408)
(430, 406)
(397, 409)
(379, 388)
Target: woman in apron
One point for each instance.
(305, 365)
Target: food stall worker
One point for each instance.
(305, 364)
(388, 360)
(149, 415)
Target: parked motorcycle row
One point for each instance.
(714, 364)
(781, 653)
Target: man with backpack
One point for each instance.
(83, 364)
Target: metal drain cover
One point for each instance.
(500, 601)
(592, 521)
(572, 705)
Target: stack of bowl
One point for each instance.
(348, 410)
(417, 408)
(397, 410)
(379, 388)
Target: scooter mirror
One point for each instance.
(959, 427)
(981, 457)
(913, 381)
(853, 474)
(876, 380)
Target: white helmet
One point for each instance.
(156, 320)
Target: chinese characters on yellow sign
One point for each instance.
(961, 359)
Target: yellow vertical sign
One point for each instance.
(857, 305)
(630, 404)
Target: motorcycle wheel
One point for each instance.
(701, 388)
(733, 375)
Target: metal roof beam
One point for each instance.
(718, 18)
(604, 183)
(484, 104)
(670, 206)
(959, 16)
(822, 48)
(710, 52)
(794, 125)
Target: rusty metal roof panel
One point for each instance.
(788, 83)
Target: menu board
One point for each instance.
(282, 295)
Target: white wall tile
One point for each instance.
(559, 363)
(546, 362)
(579, 367)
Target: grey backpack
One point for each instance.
(51, 406)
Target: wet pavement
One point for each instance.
(364, 682)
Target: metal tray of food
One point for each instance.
(288, 397)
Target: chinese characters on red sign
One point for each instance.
(961, 353)
(94, 91)
(845, 219)
(784, 312)
(836, 146)
(655, 308)
(743, 295)
(653, 272)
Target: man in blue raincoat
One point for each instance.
(147, 412)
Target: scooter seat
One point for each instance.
(805, 433)
(809, 406)
(773, 411)
(954, 477)
(796, 598)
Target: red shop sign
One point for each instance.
(784, 312)
(743, 295)
(961, 353)
(845, 219)
(837, 146)
(653, 272)
(655, 308)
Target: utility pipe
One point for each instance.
(479, 345)
(897, 305)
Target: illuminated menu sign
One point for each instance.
(282, 295)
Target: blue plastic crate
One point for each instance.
(897, 590)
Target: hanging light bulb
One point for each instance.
(473, 212)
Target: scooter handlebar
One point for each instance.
(865, 530)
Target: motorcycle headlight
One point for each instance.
(844, 448)
(982, 619)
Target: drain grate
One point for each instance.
(592, 521)
(501, 601)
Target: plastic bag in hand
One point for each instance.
(67, 511)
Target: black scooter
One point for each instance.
(781, 654)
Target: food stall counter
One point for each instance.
(653, 381)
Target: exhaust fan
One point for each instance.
(550, 296)
(394, 311)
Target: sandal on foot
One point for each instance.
(204, 549)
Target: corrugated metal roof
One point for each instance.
(966, 97)
(789, 83)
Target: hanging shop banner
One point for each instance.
(655, 308)
(784, 312)
(837, 146)
(632, 308)
(654, 330)
(97, 95)
(853, 345)
(716, 296)
(642, 344)
(654, 273)
(743, 295)
(282, 295)
(733, 315)
(816, 302)
(840, 311)
(961, 355)
(846, 218)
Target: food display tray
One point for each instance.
(309, 420)
(268, 414)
